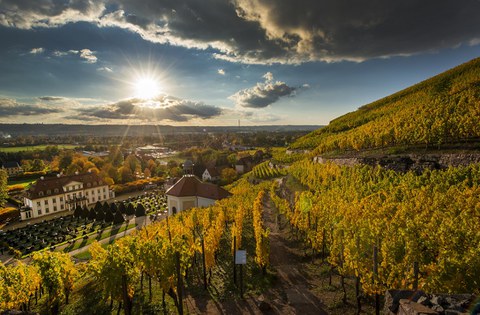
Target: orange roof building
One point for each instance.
(190, 192)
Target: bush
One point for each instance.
(8, 212)
(135, 185)
(15, 188)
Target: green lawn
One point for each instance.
(35, 147)
(82, 242)
(23, 182)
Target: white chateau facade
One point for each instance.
(64, 193)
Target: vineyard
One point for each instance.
(265, 171)
(184, 252)
(385, 230)
(421, 230)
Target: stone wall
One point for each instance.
(407, 302)
(404, 163)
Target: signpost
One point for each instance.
(241, 259)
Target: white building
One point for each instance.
(210, 174)
(190, 192)
(64, 193)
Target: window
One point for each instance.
(104, 196)
(61, 199)
(28, 214)
(99, 198)
(47, 210)
(55, 190)
(93, 199)
(40, 193)
(39, 211)
(54, 200)
(54, 208)
(88, 184)
(46, 202)
(62, 207)
(98, 191)
(38, 204)
(86, 193)
(104, 190)
(49, 192)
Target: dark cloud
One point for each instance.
(161, 108)
(51, 98)
(269, 31)
(10, 107)
(263, 94)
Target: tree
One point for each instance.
(108, 216)
(99, 215)
(3, 187)
(113, 207)
(130, 209)
(228, 175)
(37, 165)
(65, 159)
(85, 212)
(118, 218)
(77, 213)
(98, 206)
(92, 214)
(122, 208)
(140, 211)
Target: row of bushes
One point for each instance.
(136, 185)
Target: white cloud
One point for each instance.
(38, 50)
(58, 53)
(263, 94)
(105, 69)
(221, 71)
(88, 55)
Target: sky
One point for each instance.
(218, 62)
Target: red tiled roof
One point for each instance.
(52, 183)
(192, 186)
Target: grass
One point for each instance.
(102, 236)
(34, 147)
(24, 182)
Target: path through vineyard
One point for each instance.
(290, 294)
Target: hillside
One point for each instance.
(443, 109)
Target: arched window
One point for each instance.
(174, 210)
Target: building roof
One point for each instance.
(189, 186)
(213, 171)
(245, 160)
(51, 186)
(11, 164)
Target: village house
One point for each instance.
(190, 192)
(12, 168)
(64, 193)
(211, 174)
(244, 165)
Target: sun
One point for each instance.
(146, 88)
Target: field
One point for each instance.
(34, 147)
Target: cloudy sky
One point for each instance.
(212, 62)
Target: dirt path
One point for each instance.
(291, 292)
